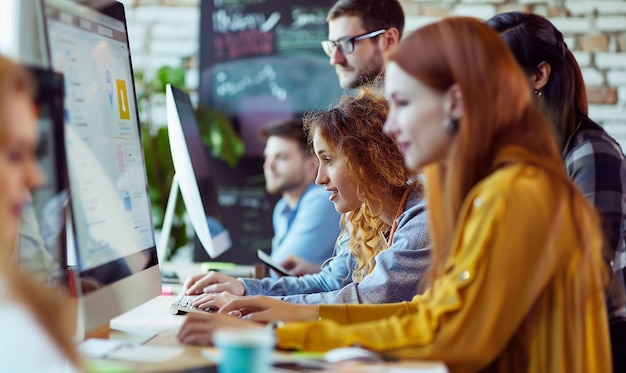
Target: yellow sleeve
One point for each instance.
(500, 264)
(345, 313)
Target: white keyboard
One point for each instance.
(182, 305)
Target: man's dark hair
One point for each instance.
(289, 129)
(374, 14)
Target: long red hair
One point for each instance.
(498, 112)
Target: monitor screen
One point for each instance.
(111, 215)
(192, 175)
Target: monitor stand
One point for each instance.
(221, 241)
(168, 219)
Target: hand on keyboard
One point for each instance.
(183, 304)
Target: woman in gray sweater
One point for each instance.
(384, 250)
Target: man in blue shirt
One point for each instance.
(305, 222)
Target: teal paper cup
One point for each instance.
(245, 350)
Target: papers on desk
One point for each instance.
(405, 366)
(146, 354)
(119, 350)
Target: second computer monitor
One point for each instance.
(192, 175)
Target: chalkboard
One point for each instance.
(264, 56)
(246, 210)
(260, 61)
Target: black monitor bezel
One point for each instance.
(49, 93)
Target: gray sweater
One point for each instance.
(395, 277)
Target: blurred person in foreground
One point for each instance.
(35, 321)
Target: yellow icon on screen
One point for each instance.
(122, 99)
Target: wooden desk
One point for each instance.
(154, 316)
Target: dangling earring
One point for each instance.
(450, 125)
(538, 93)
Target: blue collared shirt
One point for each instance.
(309, 230)
(395, 277)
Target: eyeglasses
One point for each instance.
(345, 45)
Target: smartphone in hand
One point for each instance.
(272, 264)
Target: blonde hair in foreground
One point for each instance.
(49, 308)
(353, 129)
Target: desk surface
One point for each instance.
(154, 317)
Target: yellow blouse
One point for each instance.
(511, 298)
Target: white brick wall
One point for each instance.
(572, 25)
(179, 47)
(611, 60)
(589, 7)
(162, 35)
(618, 132)
(592, 76)
(610, 7)
(485, 1)
(174, 15)
(175, 31)
(609, 114)
(617, 78)
(151, 63)
(412, 23)
(541, 10)
(482, 11)
(515, 7)
(611, 23)
(583, 58)
(621, 96)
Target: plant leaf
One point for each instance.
(218, 134)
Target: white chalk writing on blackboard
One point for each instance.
(241, 44)
(288, 38)
(270, 22)
(304, 17)
(219, 3)
(267, 74)
(225, 22)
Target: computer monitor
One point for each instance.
(113, 233)
(192, 176)
(42, 247)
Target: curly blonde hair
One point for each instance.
(353, 130)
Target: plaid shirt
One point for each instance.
(596, 164)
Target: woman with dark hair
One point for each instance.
(517, 277)
(594, 161)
